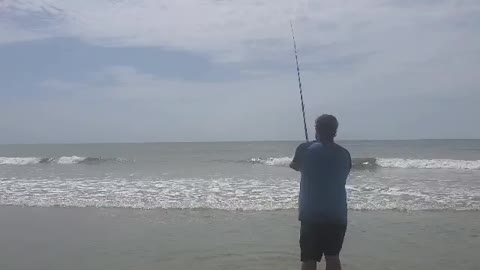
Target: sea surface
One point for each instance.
(441, 175)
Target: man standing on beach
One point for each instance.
(325, 167)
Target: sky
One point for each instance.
(76, 71)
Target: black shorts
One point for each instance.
(317, 240)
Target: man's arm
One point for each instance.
(297, 159)
(350, 160)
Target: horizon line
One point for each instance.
(240, 141)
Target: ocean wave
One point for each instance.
(429, 163)
(19, 160)
(358, 163)
(373, 163)
(64, 160)
(283, 161)
(229, 194)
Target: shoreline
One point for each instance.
(55, 238)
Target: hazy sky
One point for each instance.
(203, 70)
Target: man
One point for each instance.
(325, 167)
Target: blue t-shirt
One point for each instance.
(325, 169)
(300, 153)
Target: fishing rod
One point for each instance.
(299, 82)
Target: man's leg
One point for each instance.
(333, 263)
(310, 253)
(334, 243)
(310, 265)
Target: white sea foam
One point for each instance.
(358, 163)
(428, 163)
(19, 160)
(232, 193)
(70, 160)
(370, 163)
(65, 160)
(282, 161)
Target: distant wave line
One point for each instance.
(64, 160)
(372, 163)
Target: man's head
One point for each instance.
(326, 127)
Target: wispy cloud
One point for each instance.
(239, 30)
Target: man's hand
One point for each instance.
(295, 166)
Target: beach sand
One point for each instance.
(92, 238)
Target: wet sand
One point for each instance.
(91, 238)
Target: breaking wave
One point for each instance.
(229, 193)
(65, 160)
(358, 163)
(373, 163)
(429, 164)
(284, 161)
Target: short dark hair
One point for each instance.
(326, 127)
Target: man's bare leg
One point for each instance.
(333, 263)
(310, 265)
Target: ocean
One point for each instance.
(231, 205)
(387, 175)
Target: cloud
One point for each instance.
(126, 83)
(136, 106)
(251, 29)
(10, 34)
(388, 69)
(123, 98)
